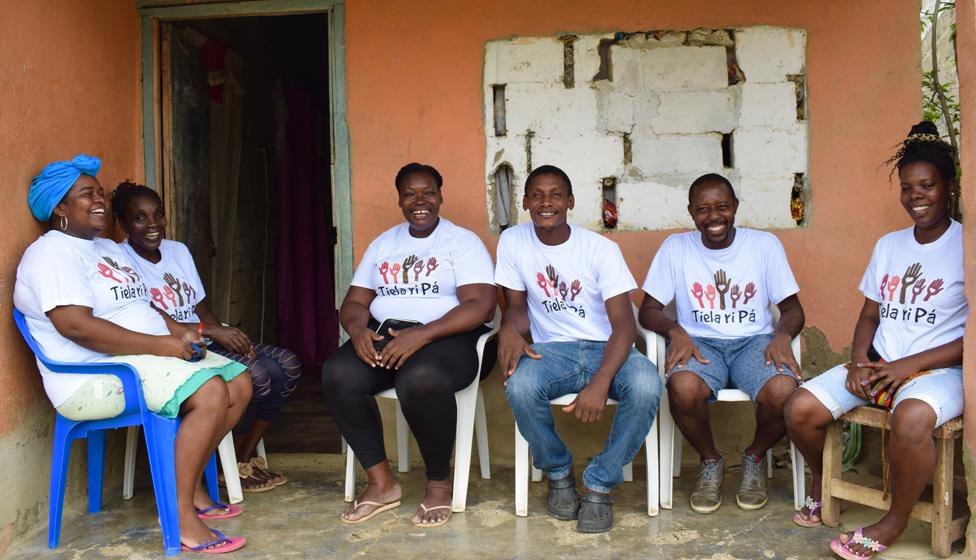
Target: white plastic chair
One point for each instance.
(228, 463)
(470, 418)
(522, 454)
(671, 437)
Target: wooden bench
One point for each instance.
(945, 529)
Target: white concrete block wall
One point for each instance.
(671, 97)
(769, 54)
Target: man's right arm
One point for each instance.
(512, 334)
(680, 346)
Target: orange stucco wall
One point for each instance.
(414, 72)
(966, 47)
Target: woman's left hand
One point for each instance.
(404, 344)
(888, 375)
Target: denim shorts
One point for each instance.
(734, 363)
(940, 388)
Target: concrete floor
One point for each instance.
(299, 520)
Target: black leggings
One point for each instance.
(425, 386)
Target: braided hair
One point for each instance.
(126, 192)
(924, 144)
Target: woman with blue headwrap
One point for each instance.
(84, 302)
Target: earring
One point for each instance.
(64, 223)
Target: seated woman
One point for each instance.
(175, 287)
(907, 342)
(440, 276)
(84, 302)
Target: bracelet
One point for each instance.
(200, 329)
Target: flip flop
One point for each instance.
(435, 523)
(812, 518)
(232, 511)
(844, 549)
(380, 508)
(222, 545)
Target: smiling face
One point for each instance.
(84, 209)
(712, 208)
(144, 222)
(925, 195)
(420, 200)
(548, 200)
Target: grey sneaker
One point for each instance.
(707, 496)
(752, 492)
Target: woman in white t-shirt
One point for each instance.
(907, 343)
(171, 276)
(85, 302)
(440, 276)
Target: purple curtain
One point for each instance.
(307, 319)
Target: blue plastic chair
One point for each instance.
(160, 437)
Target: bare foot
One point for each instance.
(435, 509)
(201, 500)
(194, 532)
(375, 493)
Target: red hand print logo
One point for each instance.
(542, 282)
(417, 269)
(934, 288)
(884, 282)
(170, 295)
(111, 262)
(395, 271)
(108, 273)
(575, 289)
(698, 292)
(157, 296)
(710, 296)
(917, 289)
(188, 290)
(892, 286)
(384, 268)
(749, 293)
(563, 290)
(431, 266)
(735, 295)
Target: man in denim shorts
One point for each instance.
(722, 280)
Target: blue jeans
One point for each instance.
(567, 367)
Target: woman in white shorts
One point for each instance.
(907, 342)
(84, 302)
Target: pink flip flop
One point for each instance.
(232, 511)
(222, 545)
(812, 518)
(844, 551)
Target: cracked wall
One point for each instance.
(651, 111)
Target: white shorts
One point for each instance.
(941, 389)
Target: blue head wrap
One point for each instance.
(50, 186)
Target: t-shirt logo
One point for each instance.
(718, 290)
(400, 275)
(121, 274)
(174, 292)
(557, 290)
(909, 287)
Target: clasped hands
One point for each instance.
(403, 344)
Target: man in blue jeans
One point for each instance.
(571, 288)
(722, 279)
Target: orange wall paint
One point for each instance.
(414, 72)
(69, 83)
(966, 43)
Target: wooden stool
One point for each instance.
(945, 529)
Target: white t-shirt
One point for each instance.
(930, 310)
(58, 270)
(723, 293)
(567, 284)
(416, 278)
(174, 283)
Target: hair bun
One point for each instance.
(924, 127)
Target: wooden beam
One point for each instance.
(240, 8)
(340, 168)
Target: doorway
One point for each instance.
(245, 153)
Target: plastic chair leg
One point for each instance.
(467, 400)
(59, 472)
(403, 440)
(799, 477)
(261, 451)
(665, 463)
(228, 462)
(769, 463)
(481, 432)
(350, 488)
(536, 473)
(160, 434)
(129, 470)
(521, 474)
(629, 472)
(96, 469)
(210, 476)
(651, 456)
